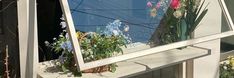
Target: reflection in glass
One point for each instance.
(140, 17)
(227, 44)
(148, 22)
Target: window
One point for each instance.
(227, 44)
(143, 21)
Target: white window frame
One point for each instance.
(81, 65)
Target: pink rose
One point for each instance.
(149, 4)
(175, 4)
(158, 5)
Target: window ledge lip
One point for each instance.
(137, 65)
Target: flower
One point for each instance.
(54, 38)
(175, 4)
(66, 46)
(61, 35)
(61, 59)
(62, 18)
(115, 32)
(149, 4)
(63, 24)
(153, 12)
(47, 43)
(227, 62)
(67, 36)
(126, 28)
(158, 5)
(225, 67)
(177, 14)
(113, 28)
(232, 63)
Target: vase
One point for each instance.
(183, 32)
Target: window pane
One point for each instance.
(227, 44)
(146, 23)
(97, 14)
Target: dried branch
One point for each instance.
(6, 63)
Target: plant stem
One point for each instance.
(6, 62)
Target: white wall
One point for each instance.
(28, 46)
(23, 34)
(207, 67)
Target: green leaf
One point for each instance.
(113, 68)
(64, 69)
(197, 12)
(198, 20)
(183, 29)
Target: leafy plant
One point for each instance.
(194, 14)
(94, 46)
(181, 19)
(227, 68)
(97, 46)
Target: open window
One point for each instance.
(143, 23)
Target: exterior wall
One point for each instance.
(27, 24)
(167, 72)
(208, 67)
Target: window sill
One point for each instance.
(135, 66)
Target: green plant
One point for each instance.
(193, 14)
(227, 68)
(181, 19)
(94, 46)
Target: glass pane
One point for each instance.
(142, 23)
(90, 15)
(227, 44)
(138, 19)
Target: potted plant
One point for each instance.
(98, 45)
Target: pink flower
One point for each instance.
(149, 4)
(158, 5)
(175, 4)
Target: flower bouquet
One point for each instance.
(179, 22)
